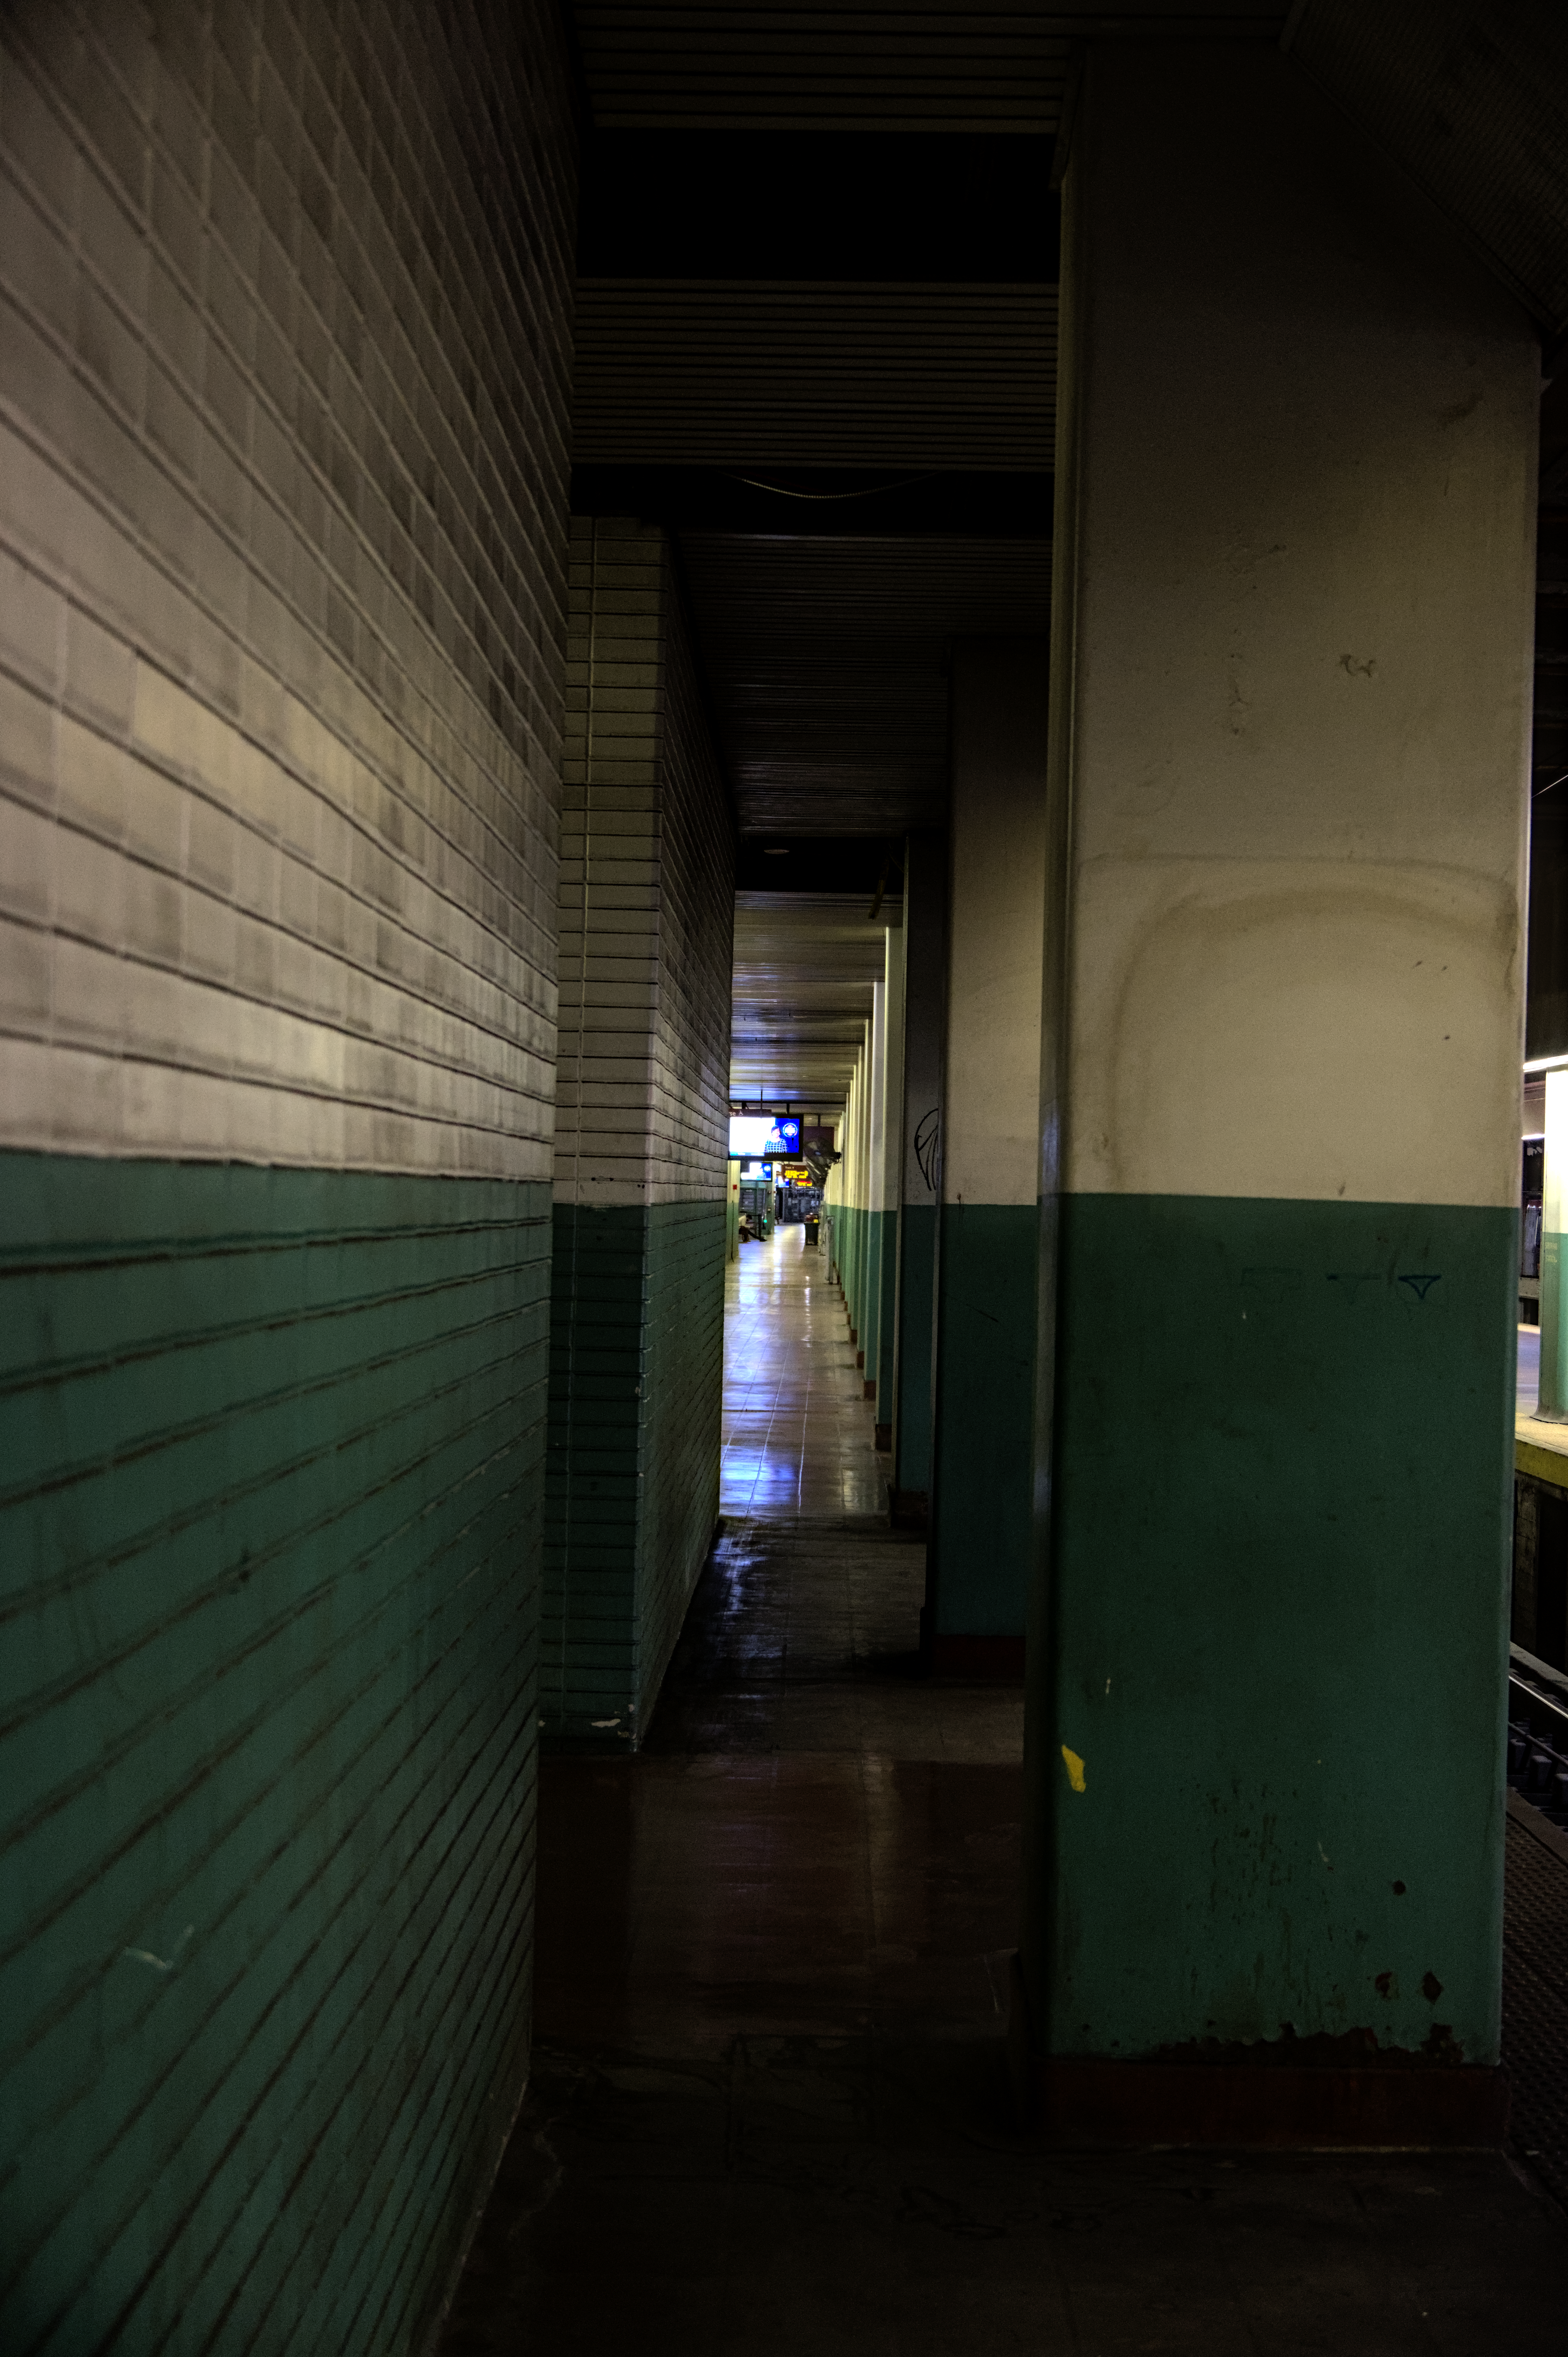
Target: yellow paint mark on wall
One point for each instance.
(1074, 1769)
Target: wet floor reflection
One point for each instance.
(799, 1435)
(814, 1836)
(767, 2104)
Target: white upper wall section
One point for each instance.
(996, 907)
(1297, 469)
(282, 526)
(925, 972)
(895, 994)
(647, 891)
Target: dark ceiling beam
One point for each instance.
(818, 205)
(797, 503)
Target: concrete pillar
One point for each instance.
(925, 963)
(1291, 634)
(642, 1175)
(840, 1178)
(876, 1161)
(855, 1290)
(980, 1549)
(844, 1215)
(889, 1164)
(1552, 1405)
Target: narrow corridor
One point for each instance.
(768, 2107)
(813, 1841)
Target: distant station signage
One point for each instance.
(753, 1135)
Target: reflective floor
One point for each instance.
(769, 2112)
(814, 1837)
(798, 1432)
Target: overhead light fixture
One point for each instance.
(1546, 1063)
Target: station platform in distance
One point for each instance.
(1539, 1449)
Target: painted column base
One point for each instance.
(1392, 2102)
(869, 1386)
(860, 1355)
(1323, 2107)
(907, 1510)
(883, 1439)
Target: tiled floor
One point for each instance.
(769, 2113)
(798, 1432)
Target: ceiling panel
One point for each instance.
(805, 964)
(723, 372)
(827, 661)
(697, 64)
(911, 68)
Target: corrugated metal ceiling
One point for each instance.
(827, 664)
(715, 373)
(804, 967)
(702, 64)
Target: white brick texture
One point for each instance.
(285, 373)
(647, 889)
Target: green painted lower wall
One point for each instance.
(887, 1314)
(636, 1392)
(981, 1535)
(273, 1447)
(1274, 1629)
(684, 1349)
(870, 1320)
(854, 1284)
(588, 1630)
(855, 1266)
(912, 1391)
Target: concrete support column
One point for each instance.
(1290, 710)
(844, 1181)
(979, 1556)
(1552, 1403)
(642, 1173)
(925, 971)
(844, 1236)
(855, 1291)
(889, 1164)
(875, 1159)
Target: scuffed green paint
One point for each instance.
(1274, 1628)
(868, 1323)
(269, 1532)
(631, 1498)
(888, 1318)
(980, 1549)
(916, 1278)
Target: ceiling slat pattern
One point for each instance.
(702, 64)
(804, 967)
(827, 660)
(725, 374)
(940, 68)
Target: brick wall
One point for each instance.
(285, 365)
(646, 918)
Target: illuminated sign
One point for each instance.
(753, 1134)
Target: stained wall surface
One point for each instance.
(642, 1142)
(285, 362)
(1291, 686)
